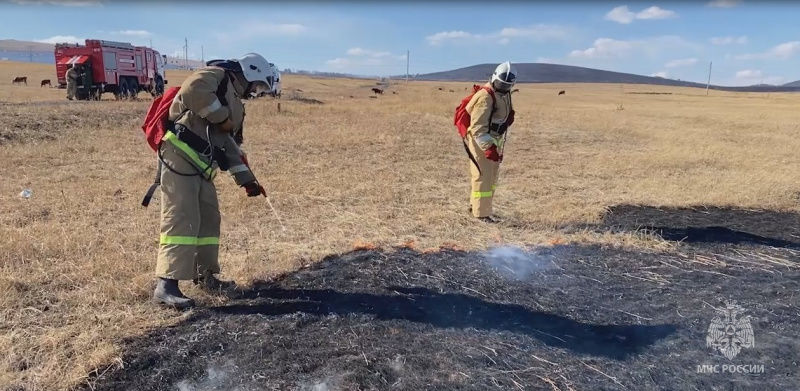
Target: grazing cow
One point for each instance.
(440, 89)
(452, 91)
(373, 96)
(515, 90)
(20, 80)
(377, 91)
(394, 92)
(561, 92)
(46, 82)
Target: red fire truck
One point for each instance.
(116, 67)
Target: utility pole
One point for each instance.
(709, 78)
(186, 53)
(408, 59)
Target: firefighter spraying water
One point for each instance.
(482, 120)
(192, 128)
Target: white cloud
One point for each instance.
(655, 13)
(781, 52)
(62, 39)
(258, 29)
(605, 48)
(623, 15)
(724, 3)
(65, 3)
(728, 40)
(749, 74)
(439, 38)
(133, 33)
(662, 75)
(358, 57)
(266, 28)
(755, 76)
(681, 63)
(367, 53)
(539, 32)
(353, 62)
(609, 48)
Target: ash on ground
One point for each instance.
(594, 319)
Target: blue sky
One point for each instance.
(748, 42)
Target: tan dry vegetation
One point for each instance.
(77, 257)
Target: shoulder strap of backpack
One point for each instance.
(223, 89)
(494, 103)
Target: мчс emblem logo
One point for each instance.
(728, 332)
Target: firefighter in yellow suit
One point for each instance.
(486, 138)
(207, 108)
(72, 76)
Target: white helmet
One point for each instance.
(504, 77)
(256, 70)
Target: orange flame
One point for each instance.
(410, 243)
(361, 245)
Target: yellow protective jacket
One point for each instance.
(196, 106)
(482, 129)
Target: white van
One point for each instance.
(276, 85)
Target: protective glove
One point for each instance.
(254, 189)
(492, 154)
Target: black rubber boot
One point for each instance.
(211, 284)
(168, 293)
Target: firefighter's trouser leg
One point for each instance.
(190, 221)
(484, 182)
(72, 89)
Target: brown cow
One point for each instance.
(46, 82)
(377, 91)
(20, 80)
(515, 90)
(562, 92)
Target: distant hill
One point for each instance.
(792, 84)
(555, 73)
(12, 45)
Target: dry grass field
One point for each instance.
(77, 257)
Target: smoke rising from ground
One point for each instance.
(518, 263)
(217, 378)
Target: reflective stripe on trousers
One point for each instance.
(189, 240)
(484, 194)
